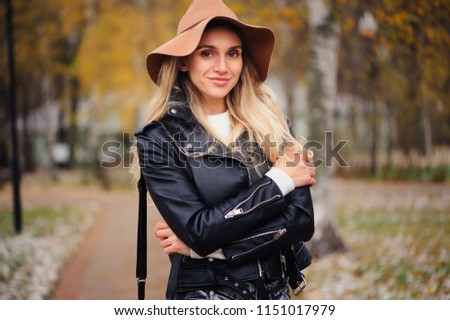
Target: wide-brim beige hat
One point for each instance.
(258, 42)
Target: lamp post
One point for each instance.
(12, 105)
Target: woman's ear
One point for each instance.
(183, 65)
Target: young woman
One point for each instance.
(221, 164)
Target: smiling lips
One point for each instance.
(219, 81)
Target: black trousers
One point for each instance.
(275, 290)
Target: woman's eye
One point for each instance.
(234, 54)
(206, 54)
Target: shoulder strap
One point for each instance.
(141, 261)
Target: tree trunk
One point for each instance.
(426, 123)
(74, 91)
(322, 87)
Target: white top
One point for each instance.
(221, 125)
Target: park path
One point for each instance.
(103, 266)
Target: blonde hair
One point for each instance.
(252, 106)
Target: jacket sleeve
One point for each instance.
(294, 224)
(203, 228)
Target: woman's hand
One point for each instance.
(298, 167)
(169, 241)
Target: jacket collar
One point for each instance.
(194, 139)
(191, 135)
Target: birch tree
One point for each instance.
(322, 87)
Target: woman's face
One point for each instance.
(215, 66)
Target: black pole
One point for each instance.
(12, 105)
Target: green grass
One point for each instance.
(430, 173)
(39, 221)
(437, 173)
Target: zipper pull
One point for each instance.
(233, 213)
(260, 269)
(280, 233)
(283, 265)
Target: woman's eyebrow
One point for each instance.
(207, 46)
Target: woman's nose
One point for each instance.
(221, 65)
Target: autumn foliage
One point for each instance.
(87, 60)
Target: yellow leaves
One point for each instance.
(111, 57)
(409, 35)
(293, 17)
(349, 25)
(437, 36)
(111, 60)
(279, 13)
(289, 13)
(430, 33)
(401, 18)
(420, 11)
(109, 51)
(383, 17)
(72, 15)
(265, 13)
(238, 8)
(414, 22)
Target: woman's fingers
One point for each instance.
(169, 241)
(163, 231)
(298, 167)
(161, 225)
(173, 245)
(309, 156)
(166, 242)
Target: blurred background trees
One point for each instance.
(375, 73)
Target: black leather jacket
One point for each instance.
(215, 199)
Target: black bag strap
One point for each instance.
(141, 261)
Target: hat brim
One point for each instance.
(258, 42)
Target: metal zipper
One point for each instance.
(260, 269)
(238, 211)
(257, 236)
(277, 236)
(283, 265)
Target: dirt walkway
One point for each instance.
(103, 266)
